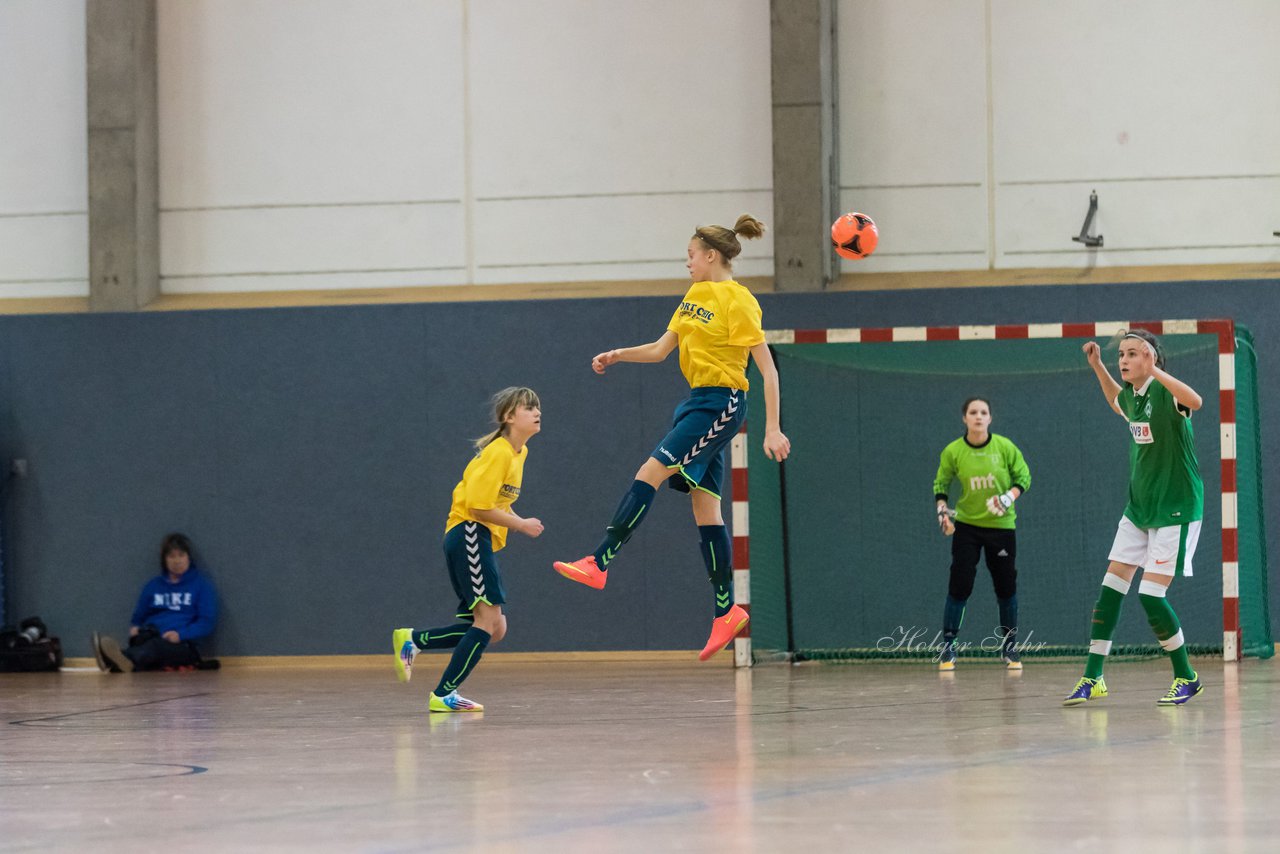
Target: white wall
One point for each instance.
(377, 143)
(1170, 110)
(974, 130)
(912, 130)
(330, 143)
(309, 144)
(44, 185)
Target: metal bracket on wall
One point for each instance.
(1084, 237)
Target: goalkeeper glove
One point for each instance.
(998, 504)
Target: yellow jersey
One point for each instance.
(717, 323)
(491, 481)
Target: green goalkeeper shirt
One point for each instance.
(983, 471)
(1164, 476)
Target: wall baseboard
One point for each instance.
(383, 661)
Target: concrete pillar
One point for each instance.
(124, 175)
(805, 166)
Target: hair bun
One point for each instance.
(749, 227)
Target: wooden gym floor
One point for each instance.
(632, 756)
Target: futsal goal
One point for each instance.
(838, 553)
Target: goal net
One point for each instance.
(838, 553)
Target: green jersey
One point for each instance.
(983, 471)
(1164, 477)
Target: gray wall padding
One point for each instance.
(310, 453)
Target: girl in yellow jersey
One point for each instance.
(477, 528)
(716, 326)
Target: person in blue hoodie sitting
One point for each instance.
(175, 609)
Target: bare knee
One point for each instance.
(1160, 582)
(1123, 571)
(490, 619)
(706, 509)
(653, 473)
(499, 631)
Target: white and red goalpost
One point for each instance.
(1224, 329)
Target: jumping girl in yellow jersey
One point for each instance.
(716, 326)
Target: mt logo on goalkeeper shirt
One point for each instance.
(987, 482)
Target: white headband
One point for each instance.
(1150, 349)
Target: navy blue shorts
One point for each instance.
(468, 553)
(701, 429)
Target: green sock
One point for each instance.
(1164, 622)
(1106, 613)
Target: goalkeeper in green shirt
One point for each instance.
(1161, 521)
(992, 475)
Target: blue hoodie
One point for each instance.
(188, 607)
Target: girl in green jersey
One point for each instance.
(992, 474)
(1161, 521)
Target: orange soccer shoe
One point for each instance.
(723, 630)
(584, 571)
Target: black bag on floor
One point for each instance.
(29, 649)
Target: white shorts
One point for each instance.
(1163, 551)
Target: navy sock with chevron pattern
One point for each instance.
(631, 511)
(466, 655)
(441, 638)
(717, 554)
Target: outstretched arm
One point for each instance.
(654, 352)
(776, 445)
(1110, 388)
